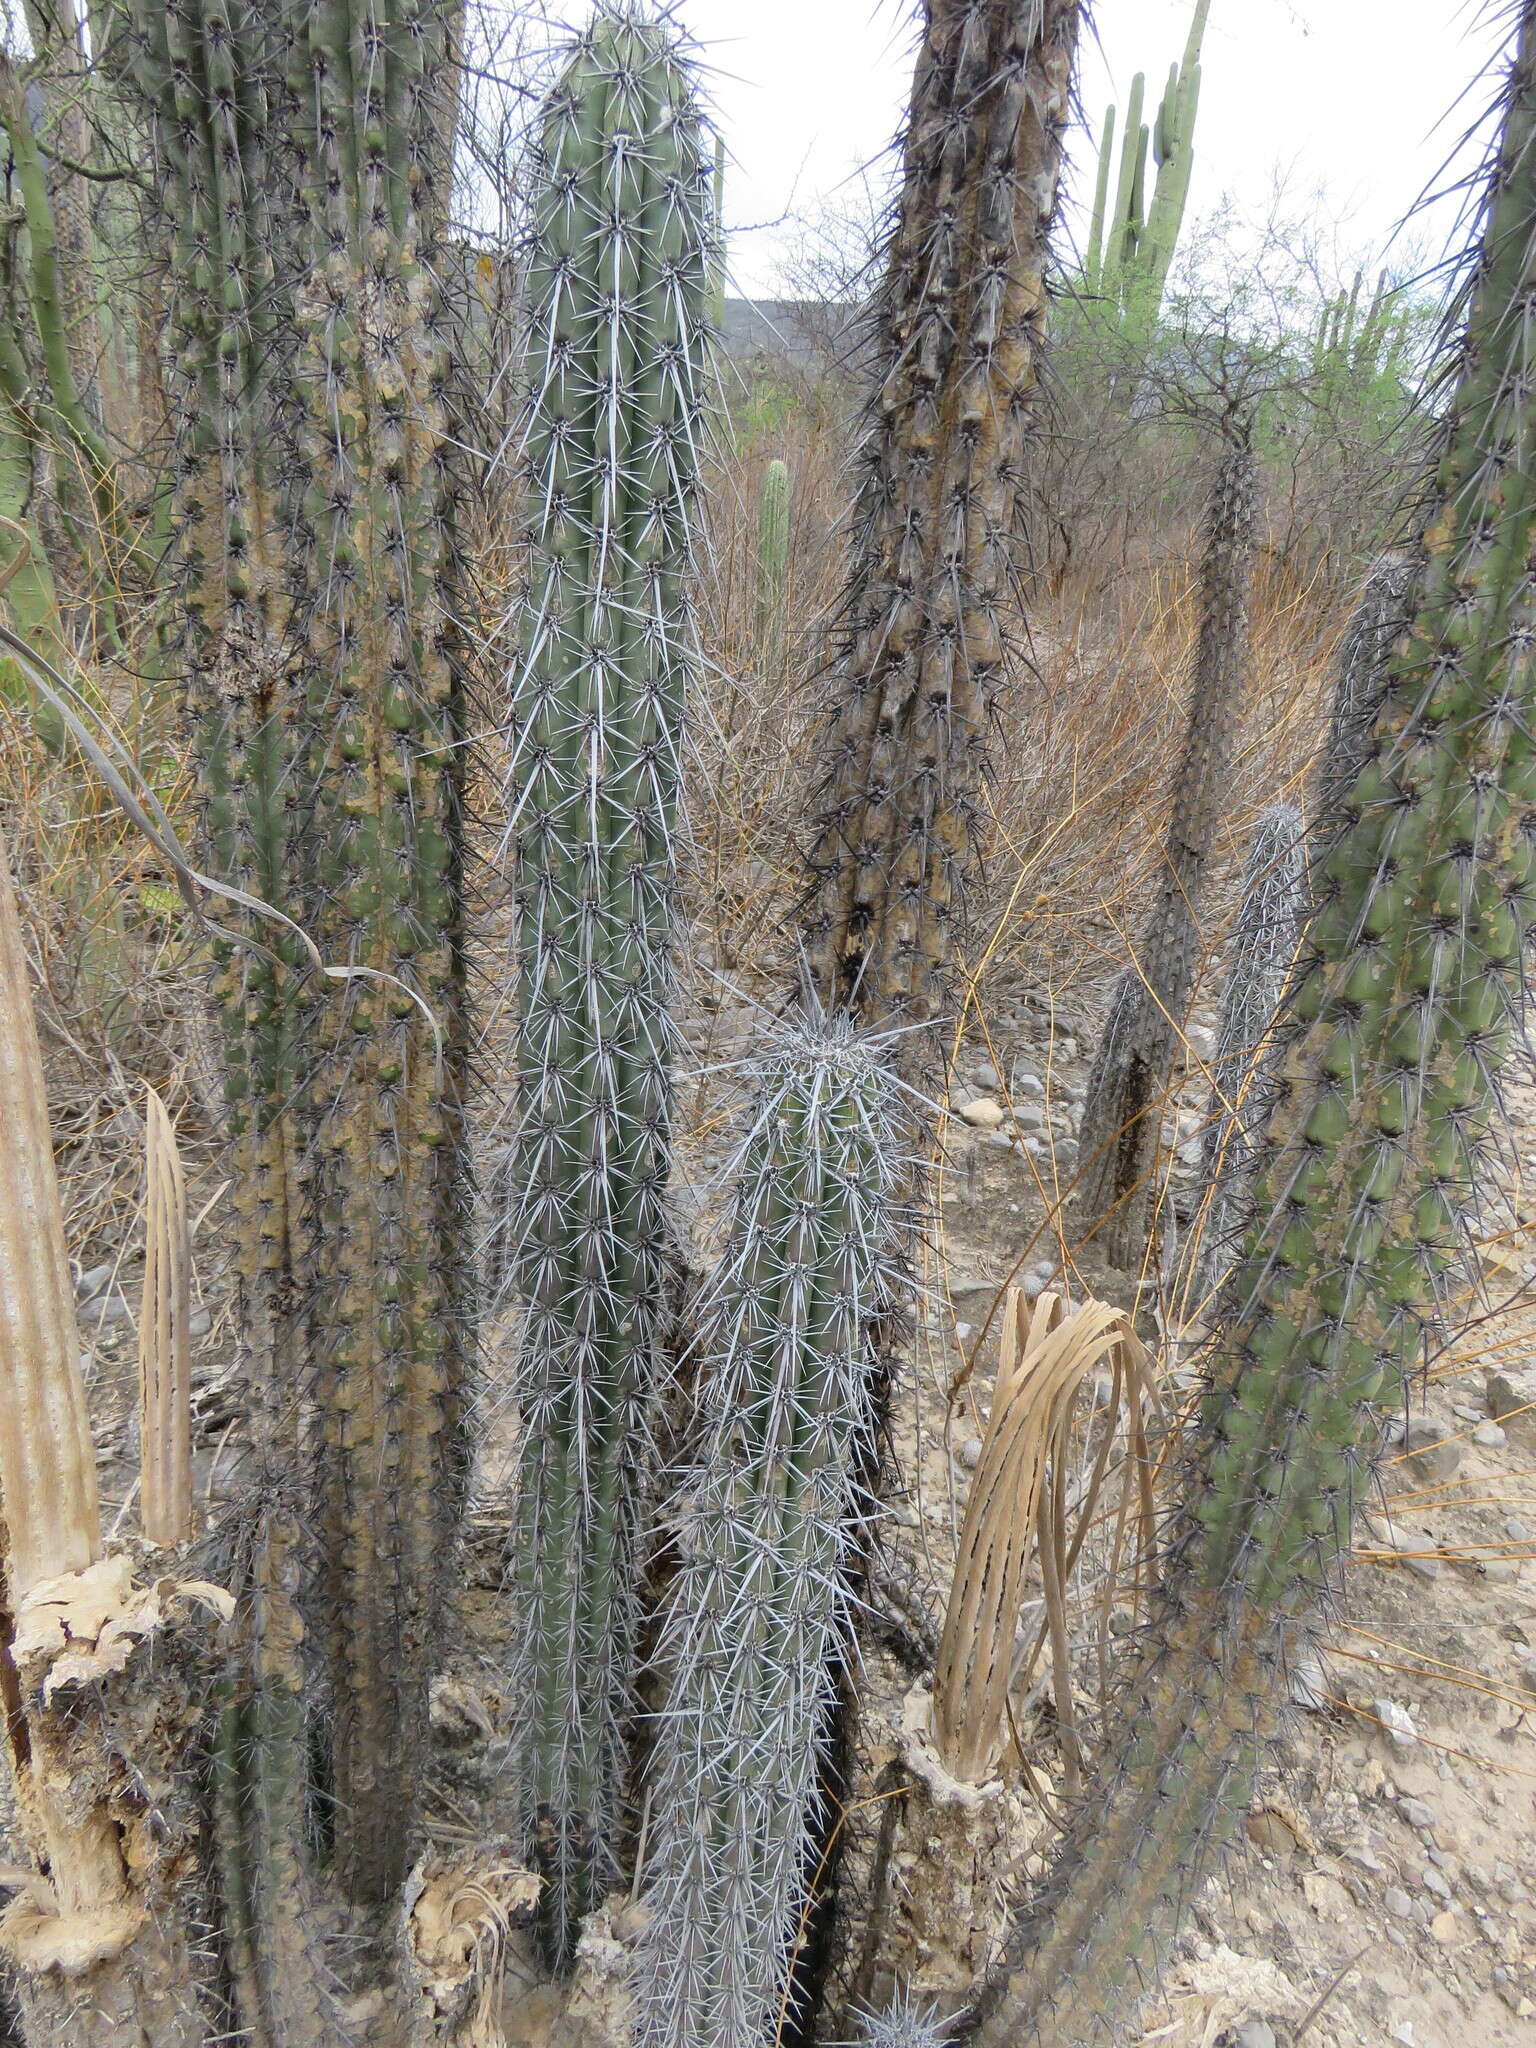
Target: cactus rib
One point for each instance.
(1384, 1091)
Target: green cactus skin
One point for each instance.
(1135, 1059)
(618, 363)
(1385, 1087)
(1265, 935)
(759, 1615)
(958, 326)
(773, 572)
(314, 531)
(1093, 262)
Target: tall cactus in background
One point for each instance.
(1265, 935)
(1131, 245)
(1135, 1059)
(931, 622)
(1375, 624)
(1385, 1082)
(300, 157)
(761, 1609)
(773, 572)
(623, 236)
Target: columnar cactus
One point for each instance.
(1383, 1095)
(1131, 249)
(760, 1610)
(1265, 936)
(1134, 1063)
(773, 572)
(618, 288)
(1377, 621)
(931, 626)
(300, 158)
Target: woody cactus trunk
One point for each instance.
(1131, 1071)
(1385, 1066)
(623, 229)
(931, 622)
(301, 158)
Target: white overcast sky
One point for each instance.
(1357, 98)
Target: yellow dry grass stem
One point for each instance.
(1019, 1507)
(165, 1339)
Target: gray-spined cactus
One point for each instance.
(760, 1611)
(618, 282)
(1385, 1082)
(1377, 621)
(1265, 936)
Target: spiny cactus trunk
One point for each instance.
(1126, 1089)
(315, 530)
(1384, 1092)
(618, 288)
(1376, 623)
(931, 606)
(760, 1611)
(1265, 937)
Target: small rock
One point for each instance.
(964, 1332)
(1501, 1571)
(999, 1138)
(1490, 1436)
(92, 1283)
(969, 1453)
(1517, 1531)
(1026, 1083)
(103, 1308)
(1422, 1565)
(1510, 1397)
(199, 1323)
(986, 1078)
(1397, 1902)
(1433, 1881)
(1398, 1723)
(1445, 1928)
(1254, 2033)
(1417, 1813)
(984, 1114)
(1029, 1116)
(1432, 1453)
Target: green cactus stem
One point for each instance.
(1385, 1081)
(618, 361)
(1375, 624)
(931, 608)
(1134, 1063)
(314, 526)
(759, 1614)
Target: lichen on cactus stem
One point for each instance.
(958, 325)
(760, 1610)
(1385, 1076)
(617, 356)
(1134, 1062)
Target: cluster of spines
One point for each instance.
(1265, 935)
(618, 281)
(758, 1617)
(1384, 1088)
(1134, 1063)
(301, 167)
(930, 616)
